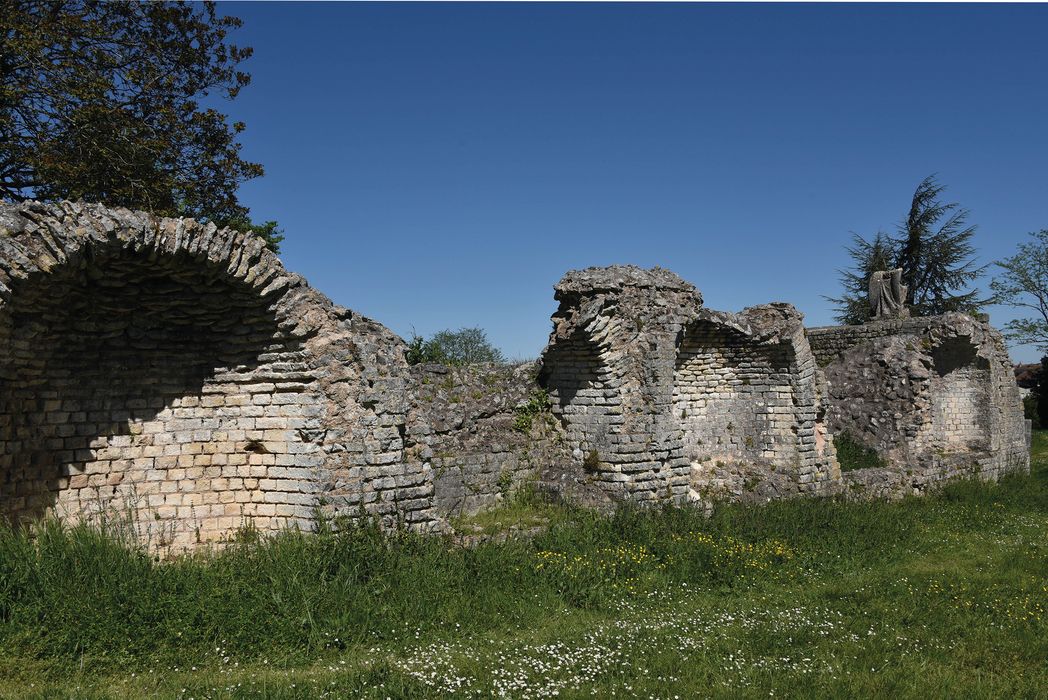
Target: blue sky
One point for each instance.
(439, 166)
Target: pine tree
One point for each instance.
(869, 257)
(935, 254)
(933, 249)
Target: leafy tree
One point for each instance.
(1024, 284)
(1030, 410)
(466, 346)
(101, 101)
(934, 250)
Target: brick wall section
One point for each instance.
(365, 385)
(176, 372)
(749, 408)
(666, 401)
(609, 371)
(829, 342)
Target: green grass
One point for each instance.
(522, 512)
(943, 596)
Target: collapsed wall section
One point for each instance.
(745, 395)
(484, 431)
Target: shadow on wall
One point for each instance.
(582, 390)
(960, 387)
(734, 397)
(91, 355)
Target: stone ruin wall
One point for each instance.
(482, 432)
(666, 400)
(935, 397)
(177, 377)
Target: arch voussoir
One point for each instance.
(160, 367)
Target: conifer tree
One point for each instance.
(934, 249)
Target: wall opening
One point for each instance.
(150, 384)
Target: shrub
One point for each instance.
(852, 454)
(466, 346)
(1030, 410)
(537, 405)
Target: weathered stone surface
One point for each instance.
(482, 432)
(178, 375)
(662, 399)
(935, 397)
(888, 294)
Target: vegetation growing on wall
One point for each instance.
(537, 405)
(852, 454)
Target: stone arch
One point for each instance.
(152, 367)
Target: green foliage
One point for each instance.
(869, 257)
(1023, 283)
(101, 102)
(523, 508)
(852, 454)
(537, 405)
(268, 231)
(1040, 392)
(421, 351)
(936, 254)
(504, 482)
(861, 598)
(933, 247)
(1030, 410)
(466, 346)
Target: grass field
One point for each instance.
(945, 596)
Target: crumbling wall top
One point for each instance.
(772, 323)
(615, 278)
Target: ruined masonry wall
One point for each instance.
(734, 397)
(175, 376)
(482, 432)
(829, 342)
(750, 413)
(664, 400)
(935, 397)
